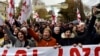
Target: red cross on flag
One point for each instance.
(36, 16)
(78, 15)
(53, 18)
(10, 11)
(26, 10)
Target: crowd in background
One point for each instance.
(45, 34)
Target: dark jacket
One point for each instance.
(88, 36)
(67, 41)
(57, 37)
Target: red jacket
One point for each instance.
(42, 42)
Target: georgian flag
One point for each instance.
(10, 11)
(53, 16)
(26, 11)
(78, 15)
(35, 15)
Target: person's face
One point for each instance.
(98, 25)
(74, 28)
(46, 34)
(57, 31)
(43, 26)
(14, 26)
(81, 28)
(68, 33)
(15, 30)
(6, 37)
(4, 31)
(70, 25)
(20, 36)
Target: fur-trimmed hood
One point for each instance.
(63, 35)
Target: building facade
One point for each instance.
(3, 8)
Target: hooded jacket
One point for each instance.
(65, 41)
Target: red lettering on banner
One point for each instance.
(35, 53)
(87, 51)
(74, 50)
(60, 52)
(4, 52)
(97, 51)
(21, 52)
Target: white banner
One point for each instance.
(87, 50)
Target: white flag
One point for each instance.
(26, 10)
(10, 11)
(78, 15)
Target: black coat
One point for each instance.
(57, 37)
(89, 36)
(67, 41)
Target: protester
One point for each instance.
(68, 38)
(57, 34)
(24, 29)
(87, 34)
(97, 26)
(7, 42)
(16, 30)
(44, 34)
(21, 40)
(46, 39)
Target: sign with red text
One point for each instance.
(86, 50)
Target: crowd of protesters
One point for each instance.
(30, 34)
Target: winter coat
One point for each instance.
(57, 37)
(40, 41)
(65, 41)
(89, 36)
(16, 42)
